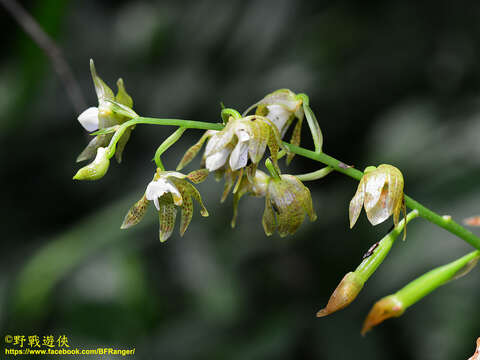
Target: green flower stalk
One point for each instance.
(353, 282)
(287, 201)
(168, 190)
(96, 169)
(396, 304)
(380, 191)
(112, 110)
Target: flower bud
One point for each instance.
(386, 308)
(96, 169)
(344, 294)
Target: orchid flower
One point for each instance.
(169, 190)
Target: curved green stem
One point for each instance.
(187, 124)
(445, 222)
(312, 123)
(425, 284)
(172, 139)
(227, 112)
(271, 169)
(315, 175)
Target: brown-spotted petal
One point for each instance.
(187, 212)
(198, 176)
(166, 216)
(288, 208)
(302, 194)
(193, 151)
(196, 195)
(136, 213)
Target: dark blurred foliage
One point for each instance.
(390, 81)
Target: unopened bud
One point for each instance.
(384, 309)
(96, 169)
(343, 295)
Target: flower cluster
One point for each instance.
(234, 152)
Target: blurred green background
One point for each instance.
(390, 81)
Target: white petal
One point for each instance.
(374, 183)
(242, 133)
(279, 115)
(291, 105)
(217, 160)
(356, 204)
(89, 119)
(158, 188)
(239, 156)
(101, 155)
(219, 140)
(260, 183)
(377, 205)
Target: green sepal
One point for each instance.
(122, 96)
(120, 109)
(315, 130)
(122, 142)
(102, 89)
(107, 130)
